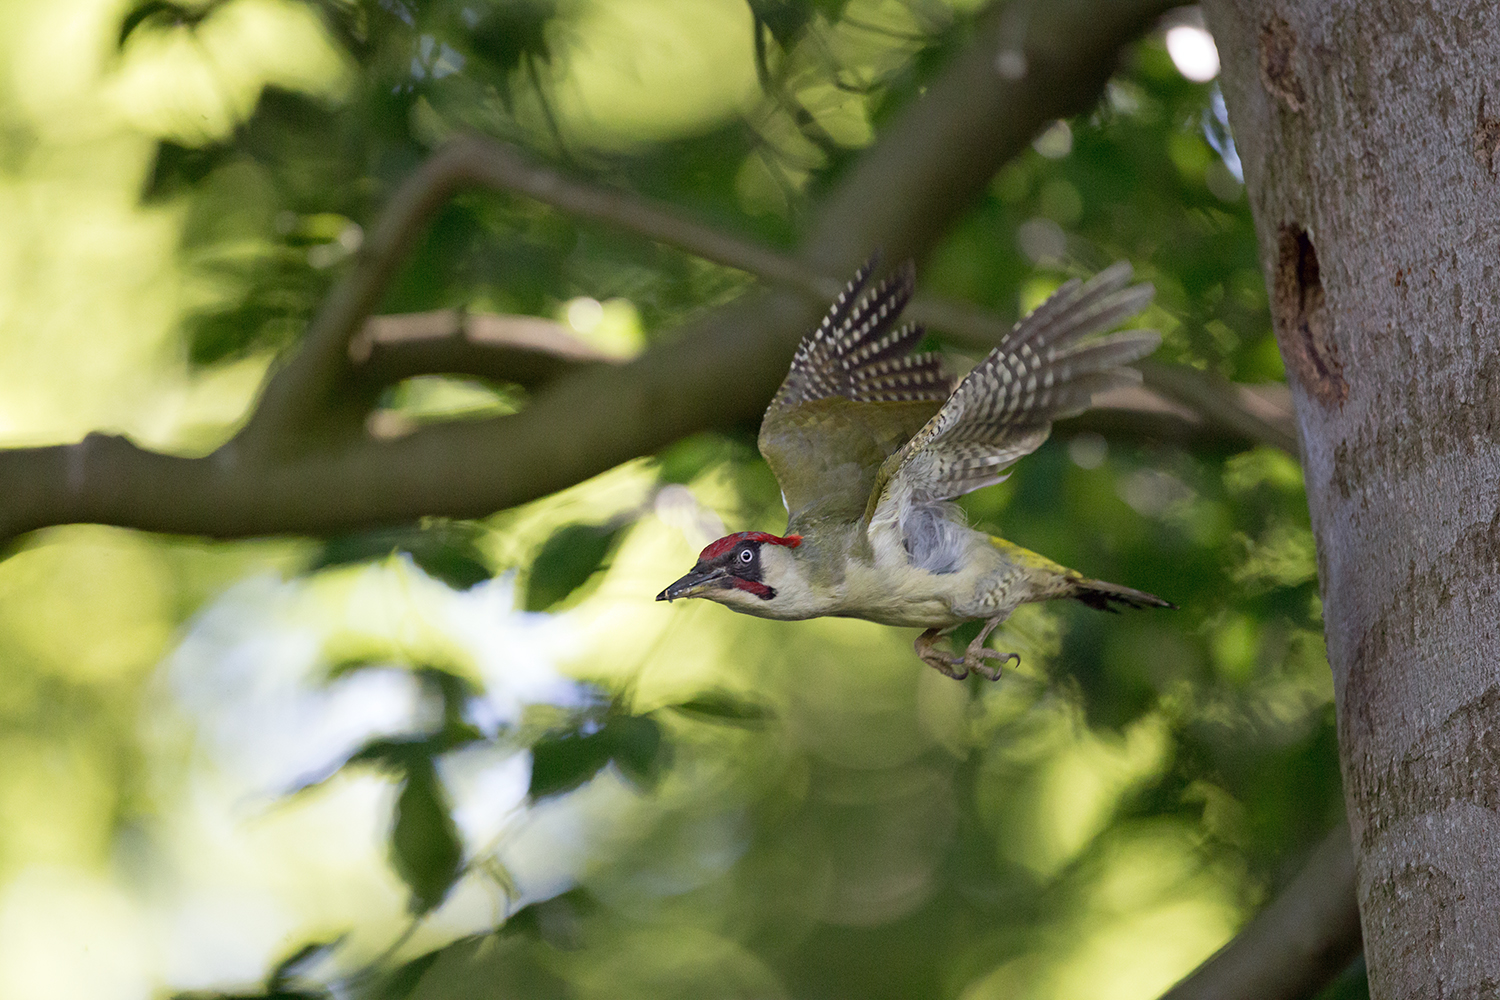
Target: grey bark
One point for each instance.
(1369, 134)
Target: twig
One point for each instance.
(1297, 945)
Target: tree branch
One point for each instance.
(1295, 946)
(1239, 409)
(1224, 411)
(301, 393)
(1229, 410)
(524, 350)
(1234, 412)
(903, 194)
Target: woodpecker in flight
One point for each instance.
(870, 443)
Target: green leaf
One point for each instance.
(784, 19)
(725, 706)
(445, 550)
(179, 169)
(561, 763)
(637, 748)
(425, 846)
(686, 460)
(396, 754)
(565, 563)
(512, 31)
(403, 981)
(556, 921)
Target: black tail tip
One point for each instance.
(1101, 600)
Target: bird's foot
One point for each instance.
(928, 647)
(975, 659)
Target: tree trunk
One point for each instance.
(1369, 134)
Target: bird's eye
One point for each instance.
(746, 555)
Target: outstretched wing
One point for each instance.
(853, 396)
(1003, 410)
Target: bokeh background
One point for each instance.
(475, 758)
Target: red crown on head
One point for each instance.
(714, 550)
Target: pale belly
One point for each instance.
(907, 597)
(922, 614)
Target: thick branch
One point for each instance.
(1297, 945)
(903, 196)
(532, 352)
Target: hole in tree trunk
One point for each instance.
(1303, 328)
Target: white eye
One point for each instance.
(746, 556)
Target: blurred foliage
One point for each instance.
(446, 550)
(812, 813)
(574, 553)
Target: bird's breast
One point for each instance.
(897, 593)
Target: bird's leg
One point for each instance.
(976, 656)
(928, 647)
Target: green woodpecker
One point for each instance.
(870, 443)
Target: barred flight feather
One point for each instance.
(854, 395)
(1003, 410)
(855, 353)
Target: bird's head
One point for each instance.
(745, 571)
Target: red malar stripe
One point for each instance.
(758, 589)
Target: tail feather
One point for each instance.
(1104, 596)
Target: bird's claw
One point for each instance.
(974, 659)
(982, 668)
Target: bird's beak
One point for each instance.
(693, 584)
